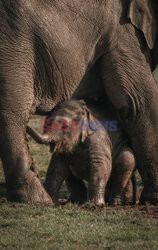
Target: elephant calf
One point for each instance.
(88, 143)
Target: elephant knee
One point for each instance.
(126, 161)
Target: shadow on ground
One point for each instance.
(3, 193)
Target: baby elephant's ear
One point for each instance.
(142, 16)
(85, 126)
(83, 135)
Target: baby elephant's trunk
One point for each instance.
(39, 138)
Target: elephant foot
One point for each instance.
(97, 199)
(98, 203)
(148, 197)
(28, 190)
(93, 205)
(130, 198)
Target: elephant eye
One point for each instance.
(64, 126)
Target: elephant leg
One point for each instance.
(17, 103)
(22, 181)
(77, 189)
(130, 86)
(131, 190)
(100, 168)
(56, 174)
(134, 185)
(123, 167)
(99, 176)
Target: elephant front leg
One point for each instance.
(22, 181)
(17, 103)
(100, 170)
(99, 176)
(56, 174)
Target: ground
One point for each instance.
(24, 226)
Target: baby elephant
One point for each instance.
(86, 140)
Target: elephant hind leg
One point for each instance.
(131, 190)
(123, 167)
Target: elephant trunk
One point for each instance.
(39, 138)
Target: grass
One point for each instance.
(38, 227)
(24, 226)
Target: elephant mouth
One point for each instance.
(52, 147)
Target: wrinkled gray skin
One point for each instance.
(52, 50)
(90, 153)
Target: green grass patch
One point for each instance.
(40, 227)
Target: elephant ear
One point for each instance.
(86, 126)
(142, 16)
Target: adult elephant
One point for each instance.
(52, 50)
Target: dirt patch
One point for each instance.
(144, 211)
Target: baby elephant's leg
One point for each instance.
(99, 177)
(123, 167)
(57, 172)
(131, 190)
(100, 170)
